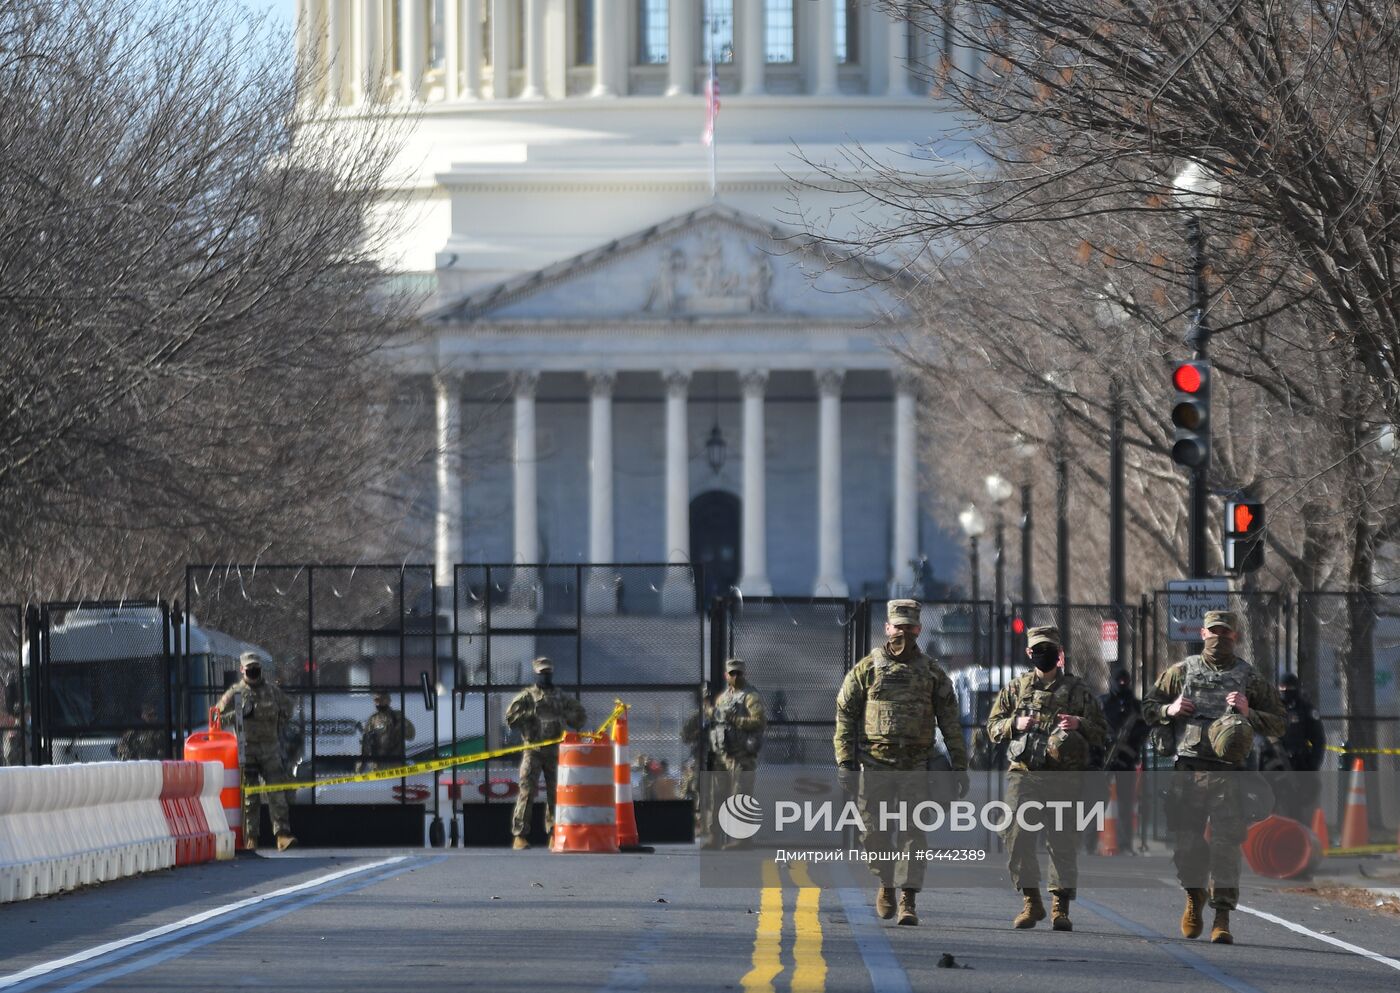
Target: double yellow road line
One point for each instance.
(808, 964)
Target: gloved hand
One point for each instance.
(848, 775)
(962, 783)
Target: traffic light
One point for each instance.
(1191, 415)
(1244, 536)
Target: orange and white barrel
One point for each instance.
(585, 805)
(220, 746)
(622, 783)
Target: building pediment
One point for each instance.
(714, 263)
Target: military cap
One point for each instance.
(381, 695)
(902, 612)
(1231, 737)
(1221, 619)
(1046, 634)
(542, 664)
(1289, 679)
(249, 658)
(734, 665)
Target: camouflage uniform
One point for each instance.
(539, 714)
(259, 712)
(382, 744)
(1205, 788)
(885, 716)
(737, 735)
(1059, 779)
(146, 743)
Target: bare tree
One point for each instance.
(195, 319)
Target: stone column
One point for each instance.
(685, 22)
(411, 47)
(451, 50)
(534, 50)
(607, 46)
(447, 388)
(824, 81)
(500, 49)
(754, 581)
(306, 33)
(677, 596)
(527, 524)
(470, 47)
(335, 51)
(897, 65)
(906, 485)
(371, 74)
(600, 593)
(831, 568)
(753, 56)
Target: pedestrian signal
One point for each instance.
(1244, 536)
(1191, 415)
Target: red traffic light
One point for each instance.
(1018, 626)
(1187, 378)
(1244, 517)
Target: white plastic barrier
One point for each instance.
(67, 826)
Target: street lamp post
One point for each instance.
(999, 490)
(1197, 192)
(1062, 532)
(1112, 316)
(1025, 451)
(974, 527)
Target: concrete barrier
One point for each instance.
(67, 826)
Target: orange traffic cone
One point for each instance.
(1108, 834)
(1319, 828)
(1356, 833)
(622, 783)
(585, 810)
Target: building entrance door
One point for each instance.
(714, 541)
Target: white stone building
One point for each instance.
(652, 370)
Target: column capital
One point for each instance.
(905, 380)
(754, 381)
(524, 383)
(677, 381)
(449, 377)
(601, 382)
(829, 381)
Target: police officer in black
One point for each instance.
(1127, 732)
(1304, 746)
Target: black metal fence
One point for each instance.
(332, 636)
(627, 631)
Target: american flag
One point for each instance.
(711, 109)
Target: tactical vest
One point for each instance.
(549, 713)
(1206, 687)
(260, 710)
(899, 704)
(1034, 751)
(728, 739)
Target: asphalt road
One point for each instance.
(310, 921)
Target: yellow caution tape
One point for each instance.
(435, 765)
(1363, 751)
(1361, 850)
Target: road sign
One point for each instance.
(1108, 641)
(1187, 603)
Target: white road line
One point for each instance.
(1325, 938)
(45, 968)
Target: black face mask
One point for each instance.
(1045, 657)
(1289, 695)
(381, 707)
(1124, 689)
(544, 680)
(253, 674)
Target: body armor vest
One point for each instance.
(724, 736)
(547, 720)
(899, 704)
(1043, 748)
(1206, 687)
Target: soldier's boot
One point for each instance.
(884, 902)
(1032, 911)
(1059, 914)
(285, 841)
(250, 843)
(519, 844)
(1220, 929)
(1191, 923)
(908, 914)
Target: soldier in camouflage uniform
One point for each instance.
(1214, 703)
(540, 713)
(382, 743)
(143, 743)
(886, 711)
(736, 736)
(258, 710)
(1051, 721)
